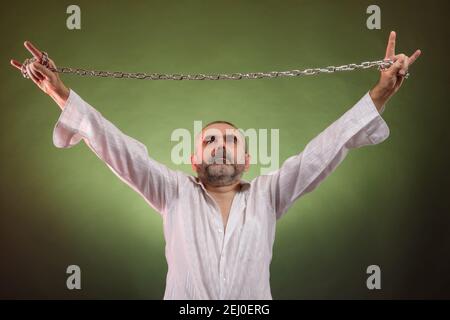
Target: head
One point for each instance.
(221, 156)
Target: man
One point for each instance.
(219, 229)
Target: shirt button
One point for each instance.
(220, 230)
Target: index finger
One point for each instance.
(390, 49)
(33, 50)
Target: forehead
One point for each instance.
(214, 128)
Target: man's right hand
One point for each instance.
(47, 80)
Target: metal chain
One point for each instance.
(381, 64)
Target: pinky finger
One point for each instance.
(414, 56)
(16, 64)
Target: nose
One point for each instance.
(220, 151)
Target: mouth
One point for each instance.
(219, 161)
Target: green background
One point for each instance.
(385, 205)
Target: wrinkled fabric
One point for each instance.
(205, 259)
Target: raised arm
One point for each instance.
(360, 126)
(125, 156)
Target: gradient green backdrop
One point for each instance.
(385, 205)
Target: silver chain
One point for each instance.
(381, 64)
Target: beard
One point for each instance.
(220, 172)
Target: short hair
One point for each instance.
(220, 121)
(230, 124)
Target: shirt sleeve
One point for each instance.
(360, 126)
(125, 156)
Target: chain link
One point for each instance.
(381, 64)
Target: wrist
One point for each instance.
(379, 96)
(60, 96)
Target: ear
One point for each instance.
(247, 161)
(194, 162)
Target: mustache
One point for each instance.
(220, 159)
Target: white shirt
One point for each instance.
(204, 262)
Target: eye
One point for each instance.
(210, 139)
(231, 138)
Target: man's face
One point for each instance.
(220, 158)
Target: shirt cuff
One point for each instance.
(376, 128)
(66, 131)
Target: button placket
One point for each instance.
(225, 235)
(222, 278)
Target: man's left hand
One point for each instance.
(392, 78)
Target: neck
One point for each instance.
(223, 189)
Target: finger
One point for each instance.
(33, 50)
(397, 66)
(35, 81)
(16, 64)
(404, 63)
(36, 72)
(399, 82)
(33, 73)
(405, 66)
(390, 49)
(414, 56)
(47, 73)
